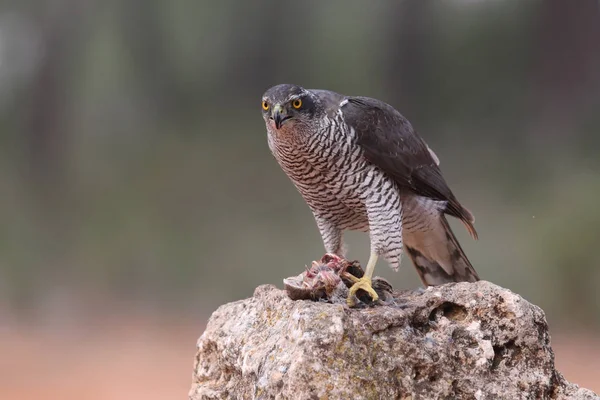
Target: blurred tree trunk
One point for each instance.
(47, 127)
(566, 67)
(260, 44)
(143, 27)
(408, 32)
(60, 26)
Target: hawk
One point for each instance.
(360, 165)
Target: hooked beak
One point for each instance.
(279, 116)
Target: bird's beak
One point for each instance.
(279, 115)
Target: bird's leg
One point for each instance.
(385, 234)
(331, 235)
(363, 283)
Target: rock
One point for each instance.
(456, 341)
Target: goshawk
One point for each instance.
(360, 165)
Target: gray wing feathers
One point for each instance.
(389, 141)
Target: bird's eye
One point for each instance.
(265, 105)
(297, 103)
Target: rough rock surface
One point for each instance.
(457, 341)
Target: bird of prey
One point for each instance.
(360, 165)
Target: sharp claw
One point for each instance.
(351, 277)
(363, 283)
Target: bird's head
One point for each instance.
(287, 106)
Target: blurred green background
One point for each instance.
(135, 177)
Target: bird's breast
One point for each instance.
(334, 178)
(319, 166)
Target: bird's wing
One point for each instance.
(390, 143)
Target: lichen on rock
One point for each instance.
(456, 341)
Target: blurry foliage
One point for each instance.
(134, 167)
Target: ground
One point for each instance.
(145, 357)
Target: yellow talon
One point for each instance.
(351, 277)
(363, 283)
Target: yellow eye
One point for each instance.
(297, 103)
(265, 105)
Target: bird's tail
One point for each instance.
(434, 250)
